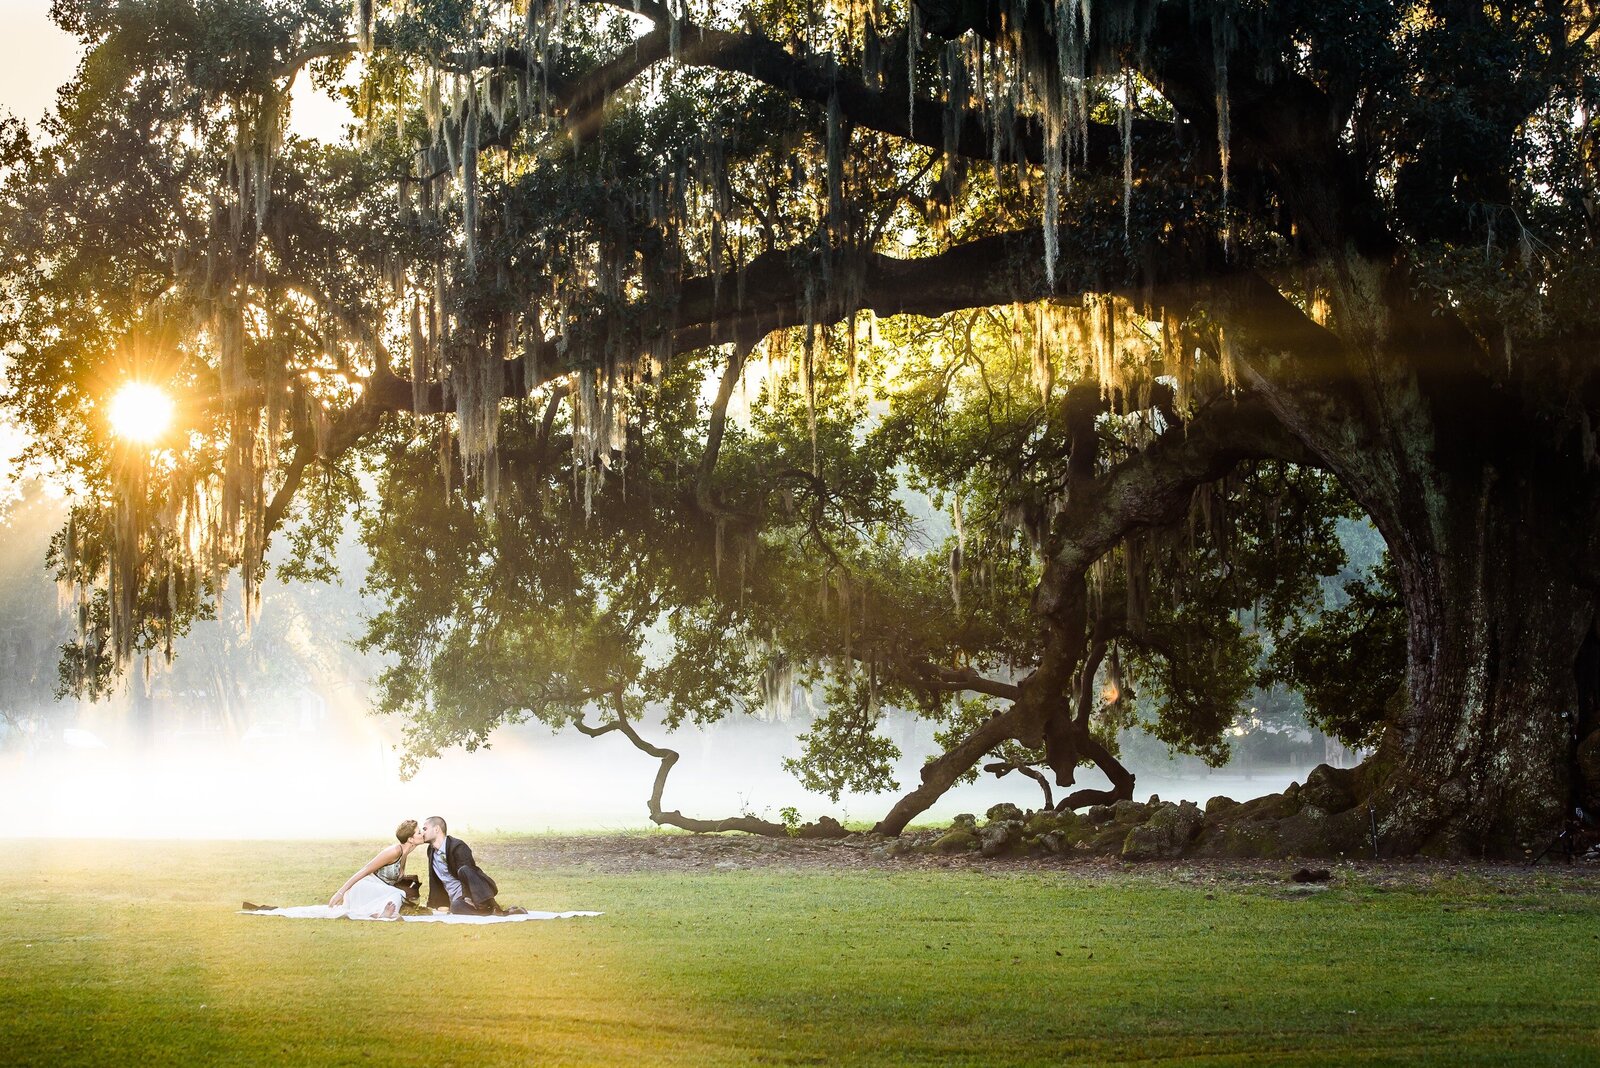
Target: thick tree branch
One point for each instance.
(816, 79)
(1121, 778)
(823, 828)
(959, 680)
(820, 79)
(997, 269)
(1001, 768)
(941, 773)
(1153, 487)
(718, 422)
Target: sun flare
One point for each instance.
(140, 412)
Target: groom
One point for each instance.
(454, 878)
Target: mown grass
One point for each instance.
(132, 953)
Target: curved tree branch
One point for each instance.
(1121, 778)
(1153, 487)
(816, 79)
(1001, 768)
(985, 271)
(821, 80)
(941, 773)
(957, 680)
(718, 422)
(823, 828)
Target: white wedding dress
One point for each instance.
(371, 895)
(366, 900)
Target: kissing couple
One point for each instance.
(455, 882)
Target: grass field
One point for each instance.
(114, 953)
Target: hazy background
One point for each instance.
(265, 732)
(35, 58)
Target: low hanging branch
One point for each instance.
(942, 772)
(826, 827)
(1001, 768)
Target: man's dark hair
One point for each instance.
(440, 821)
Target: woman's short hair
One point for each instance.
(404, 832)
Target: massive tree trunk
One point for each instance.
(1479, 470)
(1497, 617)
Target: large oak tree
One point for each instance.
(1354, 238)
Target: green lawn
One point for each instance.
(131, 953)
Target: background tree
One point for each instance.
(32, 631)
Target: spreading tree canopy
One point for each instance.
(1144, 295)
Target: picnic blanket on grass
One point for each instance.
(324, 912)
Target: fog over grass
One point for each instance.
(298, 753)
(327, 784)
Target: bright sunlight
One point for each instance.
(140, 412)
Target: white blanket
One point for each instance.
(323, 912)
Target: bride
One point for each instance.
(375, 890)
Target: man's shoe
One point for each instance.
(514, 910)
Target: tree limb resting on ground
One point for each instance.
(823, 828)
